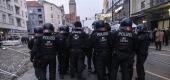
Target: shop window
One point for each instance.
(166, 24)
(160, 25)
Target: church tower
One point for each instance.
(72, 7)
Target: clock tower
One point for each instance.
(72, 7)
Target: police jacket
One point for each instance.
(31, 43)
(100, 41)
(143, 42)
(47, 44)
(77, 39)
(124, 41)
(62, 41)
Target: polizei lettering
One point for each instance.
(125, 34)
(49, 37)
(102, 34)
(76, 32)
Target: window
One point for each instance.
(4, 18)
(11, 19)
(40, 16)
(22, 13)
(51, 15)
(32, 16)
(40, 23)
(39, 10)
(51, 8)
(26, 14)
(142, 4)
(21, 3)
(25, 5)
(18, 22)
(58, 16)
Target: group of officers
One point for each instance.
(110, 51)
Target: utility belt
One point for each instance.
(102, 52)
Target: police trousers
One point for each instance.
(120, 60)
(77, 65)
(63, 60)
(141, 58)
(40, 66)
(103, 64)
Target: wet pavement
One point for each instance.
(14, 60)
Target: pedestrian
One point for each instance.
(63, 56)
(143, 41)
(123, 43)
(77, 44)
(166, 37)
(45, 50)
(100, 43)
(1, 42)
(159, 39)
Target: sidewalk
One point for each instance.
(164, 48)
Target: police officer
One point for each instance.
(100, 43)
(123, 43)
(142, 50)
(77, 43)
(45, 49)
(1, 42)
(63, 56)
(38, 31)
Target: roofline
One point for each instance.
(52, 4)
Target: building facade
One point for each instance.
(35, 15)
(72, 16)
(13, 17)
(105, 6)
(154, 13)
(118, 8)
(53, 14)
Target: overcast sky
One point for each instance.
(85, 8)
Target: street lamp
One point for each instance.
(1, 32)
(112, 10)
(144, 21)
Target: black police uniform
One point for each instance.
(89, 57)
(102, 53)
(77, 43)
(63, 56)
(142, 53)
(1, 42)
(100, 43)
(123, 42)
(37, 32)
(45, 51)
